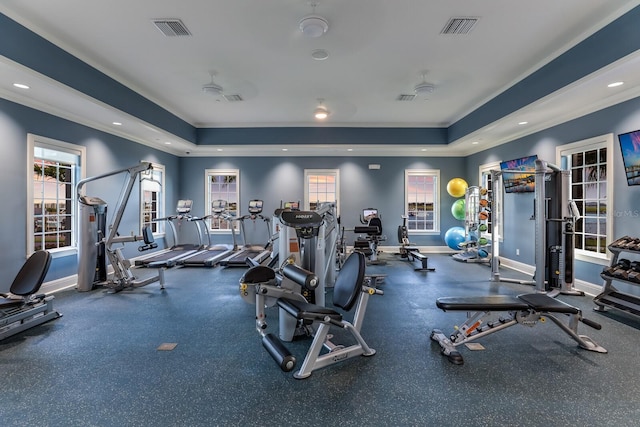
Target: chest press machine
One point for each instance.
(526, 309)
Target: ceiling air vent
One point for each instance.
(459, 25)
(405, 97)
(233, 98)
(171, 27)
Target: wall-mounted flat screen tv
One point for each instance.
(518, 175)
(630, 148)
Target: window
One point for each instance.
(591, 188)
(422, 200)
(495, 213)
(152, 198)
(222, 185)
(54, 168)
(321, 185)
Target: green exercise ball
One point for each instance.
(458, 209)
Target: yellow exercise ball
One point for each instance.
(457, 187)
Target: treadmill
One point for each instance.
(169, 257)
(250, 254)
(211, 255)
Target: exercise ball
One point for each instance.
(453, 237)
(483, 241)
(483, 227)
(483, 253)
(457, 187)
(458, 209)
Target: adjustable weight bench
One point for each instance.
(30, 309)
(525, 309)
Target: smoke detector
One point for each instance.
(313, 26)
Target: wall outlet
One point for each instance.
(518, 252)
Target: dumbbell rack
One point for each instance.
(610, 297)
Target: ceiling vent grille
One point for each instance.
(233, 98)
(171, 27)
(405, 97)
(459, 25)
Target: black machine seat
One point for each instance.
(376, 222)
(480, 303)
(29, 279)
(307, 311)
(345, 293)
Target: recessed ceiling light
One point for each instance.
(219, 149)
(167, 143)
(475, 142)
(615, 84)
(117, 124)
(523, 123)
(319, 54)
(285, 149)
(21, 86)
(349, 149)
(423, 149)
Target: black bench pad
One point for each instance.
(542, 302)
(307, 311)
(482, 303)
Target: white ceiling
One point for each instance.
(378, 49)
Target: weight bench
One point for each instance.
(414, 255)
(19, 314)
(525, 309)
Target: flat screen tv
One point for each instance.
(630, 148)
(518, 175)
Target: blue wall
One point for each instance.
(105, 153)
(625, 212)
(276, 179)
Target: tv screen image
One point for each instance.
(518, 175)
(630, 148)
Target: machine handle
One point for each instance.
(591, 323)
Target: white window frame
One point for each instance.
(207, 196)
(436, 208)
(161, 205)
(308, 173)
(496, 198)
(34, 141)
(595, 143)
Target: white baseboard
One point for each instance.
(588, 288)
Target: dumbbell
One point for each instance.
(634, 273)
(616, 270)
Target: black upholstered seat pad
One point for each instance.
(542, 302)
(306, 311)
(482, 303)
(10, 302)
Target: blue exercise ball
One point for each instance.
(454, 236)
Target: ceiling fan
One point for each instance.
(216, 90)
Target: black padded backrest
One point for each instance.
(31, 275)
(349, 281)
(376, 222)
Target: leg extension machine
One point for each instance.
(526, 309)
(19, 314)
